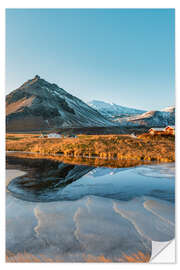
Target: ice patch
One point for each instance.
(157, 171)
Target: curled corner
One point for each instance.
(163, 252)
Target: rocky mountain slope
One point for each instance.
(152, 118)
(40, 105)
(112, 110)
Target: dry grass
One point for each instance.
(28, 257)
(121, 147)
(25, 257)
(140, 257)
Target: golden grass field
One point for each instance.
(145, 147)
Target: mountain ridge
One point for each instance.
(125, 116)
(113, 110)
(151, 119)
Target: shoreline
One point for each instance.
(86, 161)
(13, 173)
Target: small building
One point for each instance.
(153, 131)
(133, 135)
(170, 130)
(54, 135)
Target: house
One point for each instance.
(54, 135)
(167, 130)
(153, 131)
(133, 135)
(170, 130)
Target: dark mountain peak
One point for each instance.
(40, 105)
(37, 77)
(37, 85)
(31, 82)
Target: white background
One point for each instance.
(80, 4)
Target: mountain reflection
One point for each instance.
(43, 178)
(51, 178)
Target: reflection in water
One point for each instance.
(44, 178)
(49, 180)
(93, 162)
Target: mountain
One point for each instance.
(40, 105)
(170, 109)
(112, 110)
(150, 119)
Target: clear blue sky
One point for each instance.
(125, 56)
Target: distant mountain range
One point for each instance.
(112, 110)
(40, 105)
(125, 116)
(150, 119)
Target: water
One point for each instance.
(79, 213)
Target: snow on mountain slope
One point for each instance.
(170, 109)
(39, 105)
(151, 118)
(113, 110)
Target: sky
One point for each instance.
(123, 56)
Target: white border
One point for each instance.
(73, 4)
(2, 135)
(90, 4)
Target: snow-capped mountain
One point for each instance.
(170, 109)
(151, 119)
(40, 105)
(112, 110)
